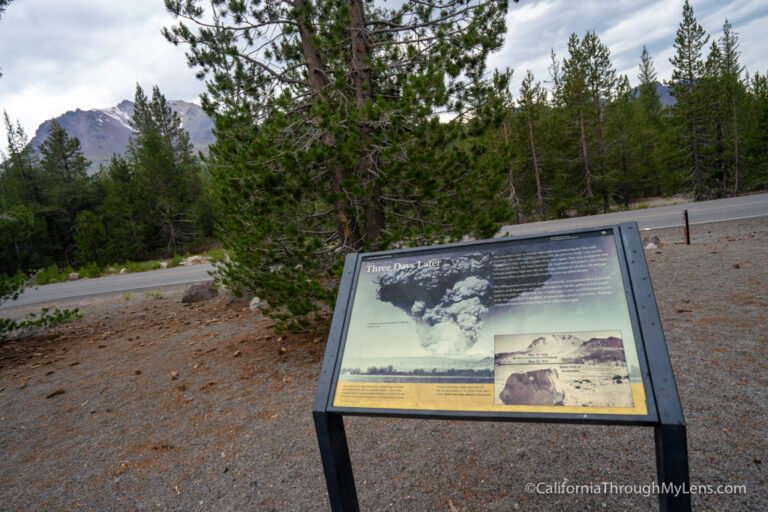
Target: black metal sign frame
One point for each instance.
(664, 411)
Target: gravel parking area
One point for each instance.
(148, 404)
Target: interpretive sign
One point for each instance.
(557, 327)
(537, 325)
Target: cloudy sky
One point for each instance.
(58, 55)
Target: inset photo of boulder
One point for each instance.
(586, 369)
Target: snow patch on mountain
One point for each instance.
(118, 115)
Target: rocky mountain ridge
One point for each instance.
(571, 349)
(104, 132)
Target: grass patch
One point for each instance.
(154, 294)
(175, 261)
(641, 206)
(141, 266)
(52, 274)
(217, 255)
(127, 296)
(56, 274)
(91, 270)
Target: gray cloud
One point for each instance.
(60, 55)
(534, 27)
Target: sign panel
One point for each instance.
(538, 325)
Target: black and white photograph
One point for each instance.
(580, 369)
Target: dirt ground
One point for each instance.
(148, 404)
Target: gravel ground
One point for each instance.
(146, 404)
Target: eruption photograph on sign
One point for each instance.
(579, 369)
(446, 300)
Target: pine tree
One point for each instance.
(756, 143)
(648, 94)
(734, 99)
(651, 135)
(17, 227)
(90, 239)
(66, 188)
(124, 211)
(573, 95)
(3, 5)
(584, 85)
(622, 131)
(686, 76)
(532, 100)
(328, 136)
(165, 171)
(20, 182)
(713, 116)
(601, 80)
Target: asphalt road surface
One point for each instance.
(111, 284)
(657, 218)
(651, 218)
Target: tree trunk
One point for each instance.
(348, 229)
(625, 168)
(512, 199)
(736, 184)
(720, 158)
(601, 148)
(360, 53)
(698, 186)
(584, 157)
(536, 172)
(361, 72)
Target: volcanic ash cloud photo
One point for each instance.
(448, 302)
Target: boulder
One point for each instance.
(193, 260)
(74, 276)
(123, 270)
(537, 387)
(198, 292)
(254, 306)
(651, 242)
(163, 264)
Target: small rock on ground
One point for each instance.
(198, 292)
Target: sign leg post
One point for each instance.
(672, 468)
(336, 462)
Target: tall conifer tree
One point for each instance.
(685, 84)
(328, 139)
(734, 99)
(532, 100)
(165, 171)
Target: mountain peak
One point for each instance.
(104, 132)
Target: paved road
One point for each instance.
(110, 284)
(651, 218)
(659, 217)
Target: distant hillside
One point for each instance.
(105, 132)
(666, 98)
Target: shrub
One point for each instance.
(154, 294)
(175, 261)
(91, 270)
(90, 238)
(10, 289)
(52, 274)
(217, 255)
